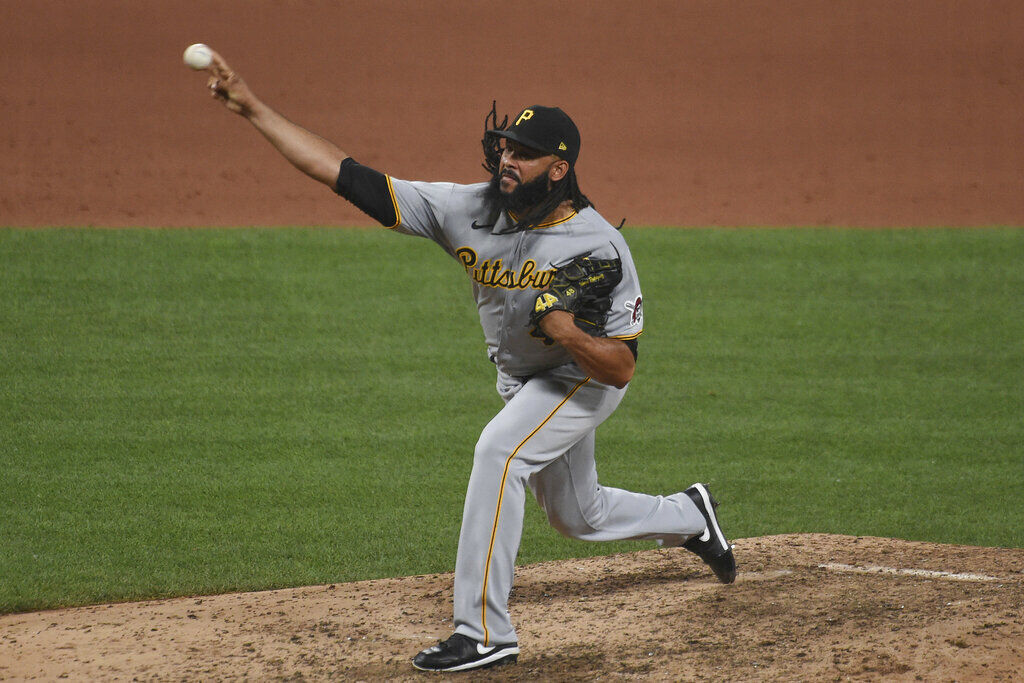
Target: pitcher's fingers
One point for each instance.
(218, 67)
(216, 89)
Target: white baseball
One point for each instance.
(197, 56)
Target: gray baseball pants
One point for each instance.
(544, 438)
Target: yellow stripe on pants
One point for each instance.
(501, 493)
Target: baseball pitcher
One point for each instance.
(561, 310)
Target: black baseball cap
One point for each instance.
(548, 129)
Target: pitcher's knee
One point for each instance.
(570, 526)
(576, 521)
(491, 449)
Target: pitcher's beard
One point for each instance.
(524, 197)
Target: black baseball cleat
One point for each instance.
(711, 545)
(462, 653)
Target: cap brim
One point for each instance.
(511, 135)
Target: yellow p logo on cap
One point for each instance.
(525, 116)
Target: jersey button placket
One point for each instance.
(510, 297)
(505, 329)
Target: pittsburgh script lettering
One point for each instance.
(492, 273)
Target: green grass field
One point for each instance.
(196, 411)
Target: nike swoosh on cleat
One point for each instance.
(712, 520)
(480, 649)
(706, 536)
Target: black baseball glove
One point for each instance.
(583, 288)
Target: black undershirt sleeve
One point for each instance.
(631, 343)
(368, 191)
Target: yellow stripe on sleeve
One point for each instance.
(394, 203)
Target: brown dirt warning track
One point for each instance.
(712, 112)
(715, 112)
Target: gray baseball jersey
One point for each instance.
(508, 269)
(544, 436)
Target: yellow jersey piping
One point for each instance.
(515, 219)
(394, 203)
(627, 337)
(497, 510)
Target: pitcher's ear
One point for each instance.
(558, 170)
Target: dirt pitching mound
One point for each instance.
(804, 607)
